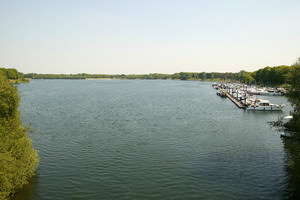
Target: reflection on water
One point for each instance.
(292, 149)
(28, 191)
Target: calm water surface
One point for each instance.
(139, 139)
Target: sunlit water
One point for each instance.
(139, 139)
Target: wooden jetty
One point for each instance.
(236, 102)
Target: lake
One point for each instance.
(149, 139)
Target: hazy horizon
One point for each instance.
(142, 37)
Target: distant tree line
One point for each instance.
(265, 76)
(176, 76)
(18, 159)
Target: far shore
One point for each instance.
(99, 78)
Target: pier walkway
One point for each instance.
(236, 102)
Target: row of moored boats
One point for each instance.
(246, 95)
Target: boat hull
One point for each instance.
(264, 108)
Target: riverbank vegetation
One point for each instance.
(13, 76)
(203, 76)
(10, 73)
(292, 147)
(294, 97)
(18, 159)
(292, 80)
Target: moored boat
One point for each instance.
(264, 105)
(221, 93)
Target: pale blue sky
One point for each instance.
(146, 36)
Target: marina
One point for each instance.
(242, 96)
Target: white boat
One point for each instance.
(288, 117)
(266, 105)
(273, 93)
(221, 93)
(262, 92)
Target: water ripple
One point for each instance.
(124, 139)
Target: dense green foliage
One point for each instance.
(272, 75)
(10, 73)
(294, 96)
(18, 159)
(292, 146)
